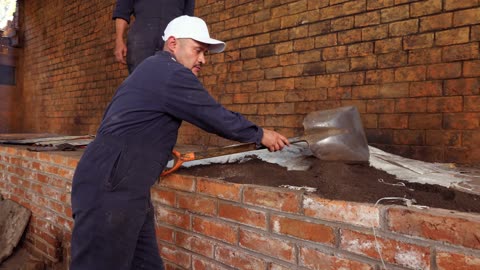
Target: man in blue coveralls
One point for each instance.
(144, 37)
(114, 219)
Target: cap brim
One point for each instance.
(214, 45)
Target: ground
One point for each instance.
(341, 181)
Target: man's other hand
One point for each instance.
(274, 141)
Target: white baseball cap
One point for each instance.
(195, 28)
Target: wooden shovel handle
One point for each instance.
(178, 160)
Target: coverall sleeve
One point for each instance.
(189, 7)
(187, 99)
(123, 10)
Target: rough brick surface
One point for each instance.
(283, 58)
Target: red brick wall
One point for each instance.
(211, 224)
(412, 67)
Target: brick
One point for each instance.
(471, 68)
(368, 18)
(408, 74)
(460, 52)
(341, 211)
(363, 63)
(243, 215)
(309, 56)
(337, 66)
(326, 40)
(304, 44)
(201, 264)
(347, 8)
(196, 244)
(339, 93)
(172, 217)
(443, 138)
(317, 260)
(475, 33)
(470, 139)
(314, 69)
(332, 53)
(393, 90)
(176, 255)
(379, 76)
(381, 106)
(326, 80)
(365, 91)
(436, 22)
(425, 121)
(466, 17)
(374, 32)
(360, 49)
(162, 196)
(197, 204)
(461, 121)
(412, 105)
(445, 104)
(369, 120)
(446, 260)
(395, 59)
(395, 13)
(318, 233)
(354, 78)
(302, 83)
(458, 4)
(378, 4)
(393, 121)
(418, 41)
(438, 225)
(425, 56)
(215, 229)
(273, 199)
(399, 253)
(452, 36)
(319, 28)
(340, 24)
(403, 28)
(268, 245)
(444, 71)
(426, 89)
(349, 36)
(299, 31)
(185, 183)
(409, 137)
(238, 259)
(427, 7)
(472, 104)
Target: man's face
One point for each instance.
(191, 54)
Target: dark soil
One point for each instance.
(341, 181)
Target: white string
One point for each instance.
(408, 202)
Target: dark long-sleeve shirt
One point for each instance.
(144, 9)
(153, 101)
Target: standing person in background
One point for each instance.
(145, 35)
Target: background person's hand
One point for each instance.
(120, 52)
(273, 140)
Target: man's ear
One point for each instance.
(171, 44)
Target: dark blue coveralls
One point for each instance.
(114, 225)
(151, 18)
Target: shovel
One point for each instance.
(335, 135)
(313, 136)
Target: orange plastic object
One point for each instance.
(178, 160)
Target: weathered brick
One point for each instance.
(368, 18)
(316, 260)
(425, 56)
(407, 74)
(197, 204)
(176, 255)
(353, 213)
(375, 32)
(340, 24)
(243, 215)
(349, 36)
(436, 22)
(460, 52)
(163, 196)
(444, 71)
(475, 33)
(458, 4)
(337, 66)
(180, 182)
(403, 28)
(466, 17)
(461, 121)
(237, 258)
(440, 137)
(447, 260)
(472, 104)
(425, 89)
(395, 59)
(309, 56)
(471, 68)
(201, 264)
(418, 41)
(381, 106)
(393, 251)
(393, 121)
(339, 93)
(452, 36)
(199, 245)
(365, 91)
(360, 49)
(427, 7)
(318, 233)
(275, 247)
(439, 225)
(215, 229)
(363, 63)
(467, 86)
(354, 78)
(395, 13)
(327, 80)
(172, 217)
(425, 121)
(411, 105)
(332, 53)
(271, 198)
(445, 104)
(379, 76)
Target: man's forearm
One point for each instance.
(120, 29)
